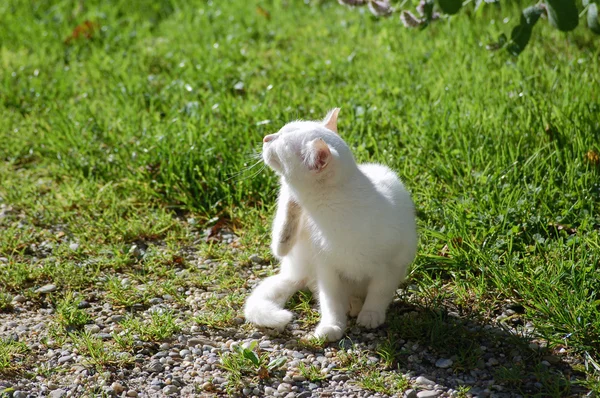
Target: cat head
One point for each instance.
(308, 152)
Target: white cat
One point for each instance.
(346, 231)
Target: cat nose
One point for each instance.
(269, 137)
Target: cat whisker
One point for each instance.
(237, 174)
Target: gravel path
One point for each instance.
(189, 363)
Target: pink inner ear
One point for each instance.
(320, 155)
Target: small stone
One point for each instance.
(428, 394)
(46, 289)
(19, 394)
(117, 387)
(155, 366)
(83, 304)
(312, 386)
(3, 260)
(492, 362)
(298, 378)
(58, 393)
(424, 381)
(117, 318)
(65, 358)
(132, 393)
(443, 363)
(104, 336)
(269, 391)
(155, 301)
(92, 328)
(171, 389)
(208, 386)
(410, 393)
(19, 299)
(74, 246)
(284, 387)
(255, 258)
(195, 341)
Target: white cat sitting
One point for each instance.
(345, 231)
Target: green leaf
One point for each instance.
(592, 18)
(521, 33)
(563, 14)
(276, 363)
(532, 14)
(251, 355)
(450, 7)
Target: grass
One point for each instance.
(245, 365)
(136, 136)
(12, 356)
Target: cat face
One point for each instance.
(305, 151)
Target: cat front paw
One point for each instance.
(370, 319)
(282, 249)
(329, 332)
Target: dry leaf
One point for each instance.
(262, 12)
(86, 30)
(263, 373)
(560, 227)
(593, 157)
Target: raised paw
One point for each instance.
(356, 304)
(282, 249)
(370, 319)
(329, 332)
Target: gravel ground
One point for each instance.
(188, 364)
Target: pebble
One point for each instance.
(132, 393)
(46, 289)
(428, 394)
(410, 393)
(155, 366)
(19, 299)
(74, 246)
(19, 394)
(269, 391)
(255, 258)
(284, 387)
(444, 363)
(424, 381)
(58, 393)
(117, 388)
(171, 389)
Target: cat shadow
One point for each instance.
(439, 347)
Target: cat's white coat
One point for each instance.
(346, 231)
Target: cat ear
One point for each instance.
(319, 155)
(330, 120)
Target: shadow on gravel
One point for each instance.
(474, 358)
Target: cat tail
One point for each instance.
(265, 305)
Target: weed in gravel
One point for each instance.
(99, 353)
(122, 294)
(5, 302)
(302, 304)
(69, 315)
(220, 311)
(159, 326)
(244, 363)
(12, 355)
(383, 383)
(311, 372)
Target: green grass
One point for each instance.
(245, 365)
(122, 138)
(12, 356)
